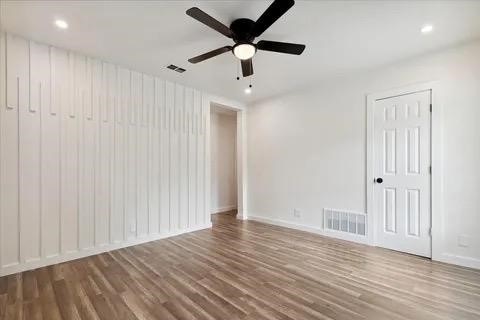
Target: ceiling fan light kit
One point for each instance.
(244, 51)
(244, 31)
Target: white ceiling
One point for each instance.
(341, 36)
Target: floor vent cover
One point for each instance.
(345, 221)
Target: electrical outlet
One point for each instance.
(296, 213)
(463, 241)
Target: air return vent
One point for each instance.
(345, 221)
(175, 68)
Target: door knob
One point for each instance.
(379, 180)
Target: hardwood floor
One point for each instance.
(244, 270)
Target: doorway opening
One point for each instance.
(223, 160)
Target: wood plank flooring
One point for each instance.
(244, 270)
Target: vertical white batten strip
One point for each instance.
(160, 148)
(206, 187)
(21, 255)
(3, 100)
(196, 106)
(111, 151)
(112, 157)
(77, 128)
(39, 112)
(187, 133)
(147, 121)
(179, 160)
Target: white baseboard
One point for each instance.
(77, 254)
(458, 260)
(224, 209)
(443, 257)
(316, 230)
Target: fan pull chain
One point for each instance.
(238, 70)
(248, 90)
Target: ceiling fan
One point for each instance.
(243, 31)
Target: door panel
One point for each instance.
(413, 151)
(390, 209)
(389, 152)
(413, 211)
(402, 161)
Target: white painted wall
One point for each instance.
(307, 149)
(223, 134)
(94, 156)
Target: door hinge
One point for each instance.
(430, 169)
(430, 232)
(431, 107)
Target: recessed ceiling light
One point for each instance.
(427, 28)
(248, 90)
(62, 24)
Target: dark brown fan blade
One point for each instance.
(208, 20)
(275, 11)
(210, 54)
(282, 47)
(247, 68)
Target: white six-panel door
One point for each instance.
(402, 173)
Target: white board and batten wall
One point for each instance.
(94, 156)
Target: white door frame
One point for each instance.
(241, 152)
(436, 161)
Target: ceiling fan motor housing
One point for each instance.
(242, 30)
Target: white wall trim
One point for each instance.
(242, 168)
(78, 254)
(306, 228)
(436, 161)
(458, 260)
(443, 257)
(241, 137)
(224, 208)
